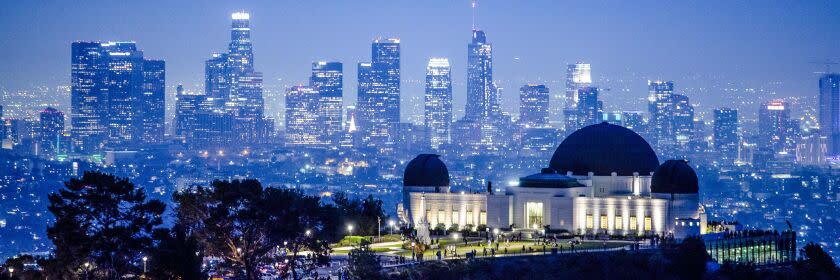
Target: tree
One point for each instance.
(103, 220)
(816, 263)
(364, 215)
(363, 263)
(176, 255)
(249, 226)
(688, 258)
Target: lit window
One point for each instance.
(619, 223)
(604, 222)
(441, 218)
(589, 222)
(647, 223)
(633, 223)
(482, 218)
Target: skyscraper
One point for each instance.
(379, 92)
(660, 107)
(216, 84)
(725, 134)
(88, 97)
(830, 111)
(50, 130)
(153, 101)
(328, 79)
(776, 130)
(235, 87)
(533, 106)
(124, 86)
(438, 102)
(588, 107)
(116, 95)
(302, 119)
(188, 105)
(682, 119)
(578, 76)
(482, 99)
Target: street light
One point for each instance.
(392, 225)
(308, 232)
(87, 268)
(11, 271)
(144, 264)
(350, 229)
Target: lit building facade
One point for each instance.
(302, 119)
(533, 106)
(378, 101)
(725, 134)
(578, 76)
(328, 79)
(117, 96)
(776, 130)
(602, 179)
(50, 132)
(829, 113)
(438, 102)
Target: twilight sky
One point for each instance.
(754, 42)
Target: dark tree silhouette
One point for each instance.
(363, 263)
(688, 258)
(249, 226)
(362, 214)
(176, 255)
(816, 263)
(102, 220)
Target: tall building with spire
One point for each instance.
(438, 102)
(482, 100)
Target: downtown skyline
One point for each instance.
(532, 49)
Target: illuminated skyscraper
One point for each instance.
(725, 134)
(328, 79)
(302, 119)
(660, 107)
(216, 84)
(235, 87)
(533, 106)
(776, 130)
(379, 92)
(482, 97)
(153, 101)
(124, 85)
(634, 120)
(682, 117)
(50, 130)
(116, 96)
(578, 76)
(830, 111)
(438, 102)
(188, 105)
(88, 96)
(588, 107)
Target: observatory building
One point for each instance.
(602, 179)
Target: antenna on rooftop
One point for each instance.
(474, 4)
